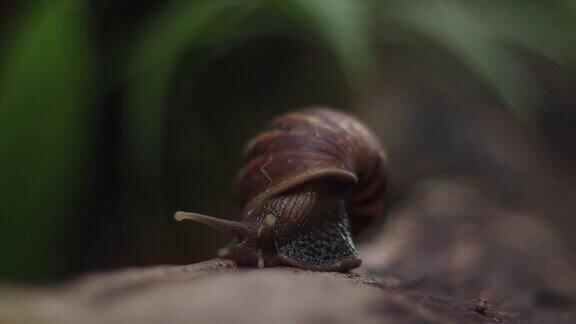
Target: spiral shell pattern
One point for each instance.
(316, 144)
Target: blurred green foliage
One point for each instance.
(46, 87)
(487, 36)
(50, 85)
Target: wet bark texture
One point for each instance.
(447, 253)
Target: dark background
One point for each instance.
(114, 114)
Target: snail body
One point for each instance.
(311, 181)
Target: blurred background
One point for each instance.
(116, 113)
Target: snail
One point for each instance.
(312, 180)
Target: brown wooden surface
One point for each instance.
(446, 254)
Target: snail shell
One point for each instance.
(310, 180)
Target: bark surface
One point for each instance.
(447, 253)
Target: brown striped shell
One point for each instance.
(315, 144)
(310, 180)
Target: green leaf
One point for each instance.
(543, 27)
(45, 81)
(345, 27)
(460, 31)
(181, 26)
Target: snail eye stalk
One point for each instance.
(238, 229)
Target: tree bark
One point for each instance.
(448, 253)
